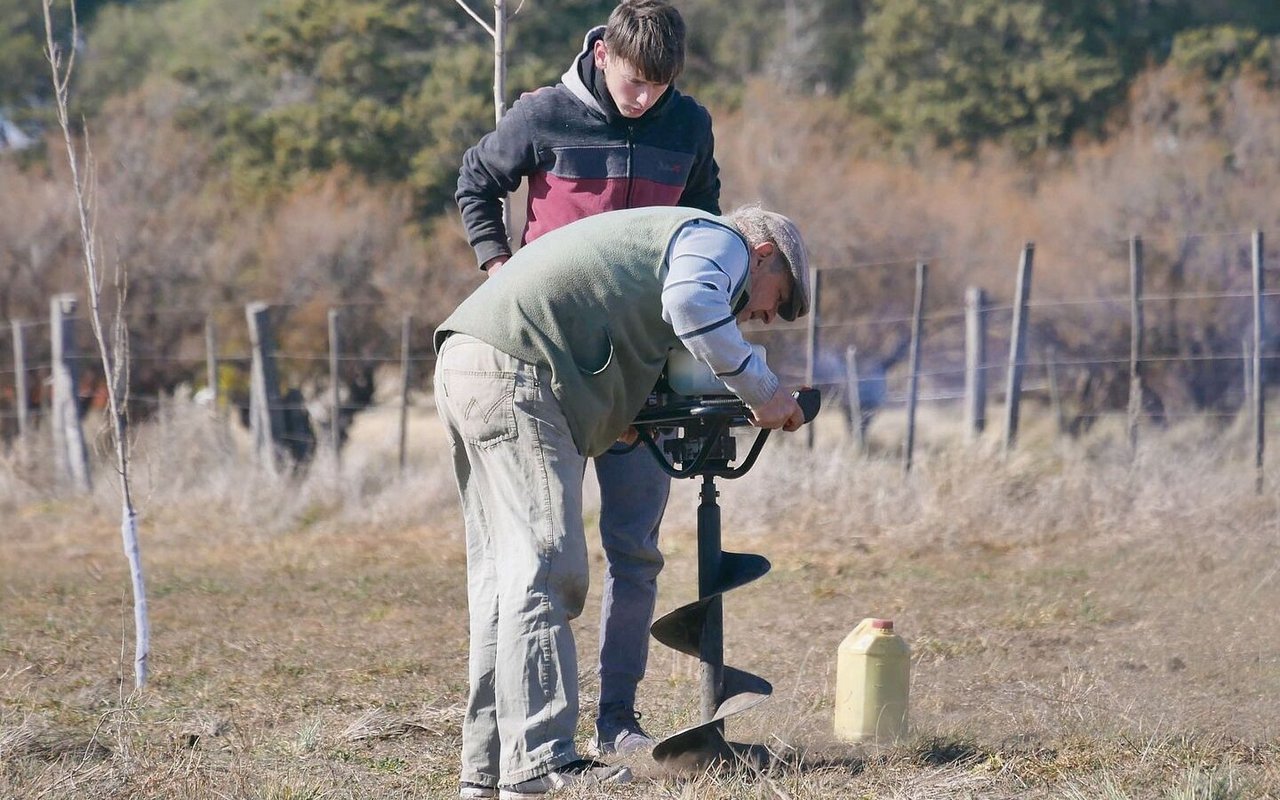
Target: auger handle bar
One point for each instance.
(704, 424)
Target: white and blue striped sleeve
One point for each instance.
(706, 264)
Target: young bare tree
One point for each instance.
(113, 345)
(498, 31)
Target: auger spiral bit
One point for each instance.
(699, 439)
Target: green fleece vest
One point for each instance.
(585, 301)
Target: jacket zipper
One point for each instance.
(631, 151)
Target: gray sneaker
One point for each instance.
(618, 731)
(582, 772)
(476, 791)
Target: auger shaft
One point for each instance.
(711, 646)
(704, 446)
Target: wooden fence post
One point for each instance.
(70, 456)
(913, 384)
(1259, 379)
(335, 408)
(211, 362)
(975, 359)
(1055, 394)
(811, 360)
(1135, 340)
(1246, 363)
(21, 394)
(853, 386)
(1017, 346)
(266, 418)
(406, 325)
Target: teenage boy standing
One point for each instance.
(613, 134)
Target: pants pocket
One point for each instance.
(484, 403)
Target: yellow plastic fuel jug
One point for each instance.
(873, 679)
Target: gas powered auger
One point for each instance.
(687, 424)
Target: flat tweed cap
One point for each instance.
(787, 235)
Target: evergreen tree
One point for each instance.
(961, 71)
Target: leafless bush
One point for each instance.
(960, 497)
(189, 459)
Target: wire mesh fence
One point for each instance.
(1193, 342)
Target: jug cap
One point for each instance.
(882, 624)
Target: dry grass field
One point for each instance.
(1083, 625)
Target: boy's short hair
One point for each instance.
(648, 35)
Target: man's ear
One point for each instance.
(763, 251)
(600, 53)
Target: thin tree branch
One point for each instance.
(487, 27)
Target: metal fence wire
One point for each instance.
(1199, 352)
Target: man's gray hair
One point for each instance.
(758, 226)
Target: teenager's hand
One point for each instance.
(491, 266)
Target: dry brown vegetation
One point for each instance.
(1082, 626)
(1188, 165)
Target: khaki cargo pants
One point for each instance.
(520, 479)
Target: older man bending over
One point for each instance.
(545, 366)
